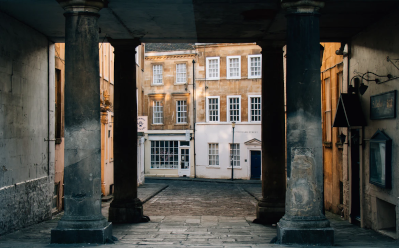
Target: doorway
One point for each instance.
(355, 176)
(184, 162)
(255, 164)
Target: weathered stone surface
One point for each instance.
(26, 164)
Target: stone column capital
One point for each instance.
(82, 6)
(303, 6)
(124, 44)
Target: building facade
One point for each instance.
(168, 102)
(228, 90)
(332, 86)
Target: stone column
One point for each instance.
(304, 221)
(126, 207)
(270, 208)
(82, 221)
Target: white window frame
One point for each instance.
(153, 112)
(207, 107)
(177, 111)
(217, 155)
(207, 68)
(153, 74)
(235, 160)
(185, 73)
(249, 65)
(228, 108)
(249, 108)
(228, 67)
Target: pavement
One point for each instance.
(190, 213)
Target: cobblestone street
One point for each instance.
(186, 198)
(196, 214)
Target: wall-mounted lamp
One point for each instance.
(362, 88)
(342, 138)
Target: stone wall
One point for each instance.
(26, 157)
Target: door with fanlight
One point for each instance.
(184, 162)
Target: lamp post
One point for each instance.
(233, 125)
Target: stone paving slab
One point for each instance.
(168, 229)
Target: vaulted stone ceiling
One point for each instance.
(201, 20)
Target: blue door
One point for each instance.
(255, 164)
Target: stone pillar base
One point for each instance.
(120, 212)
(305, 232)
(267, 213)
(71, 236)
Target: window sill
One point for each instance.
(157, 84)
(215, 79)
(163, 168)
(180, 83)
(212, 167)
(235, 168)
(181, 124)
(157, 124)
(233, 78)
(255, 77)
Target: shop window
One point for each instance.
(164, 154)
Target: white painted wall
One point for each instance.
(222, 133)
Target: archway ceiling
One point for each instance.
(201, 20)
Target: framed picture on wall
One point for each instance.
(380, 160)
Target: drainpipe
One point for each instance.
(194, 120)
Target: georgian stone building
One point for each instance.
(228, 90)
(168, 102)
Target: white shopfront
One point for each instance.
(169, 154)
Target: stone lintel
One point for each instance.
(72, 236)
(305, 236)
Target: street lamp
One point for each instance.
(233, 125)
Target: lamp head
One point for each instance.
(362, 88)
(233, 124)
